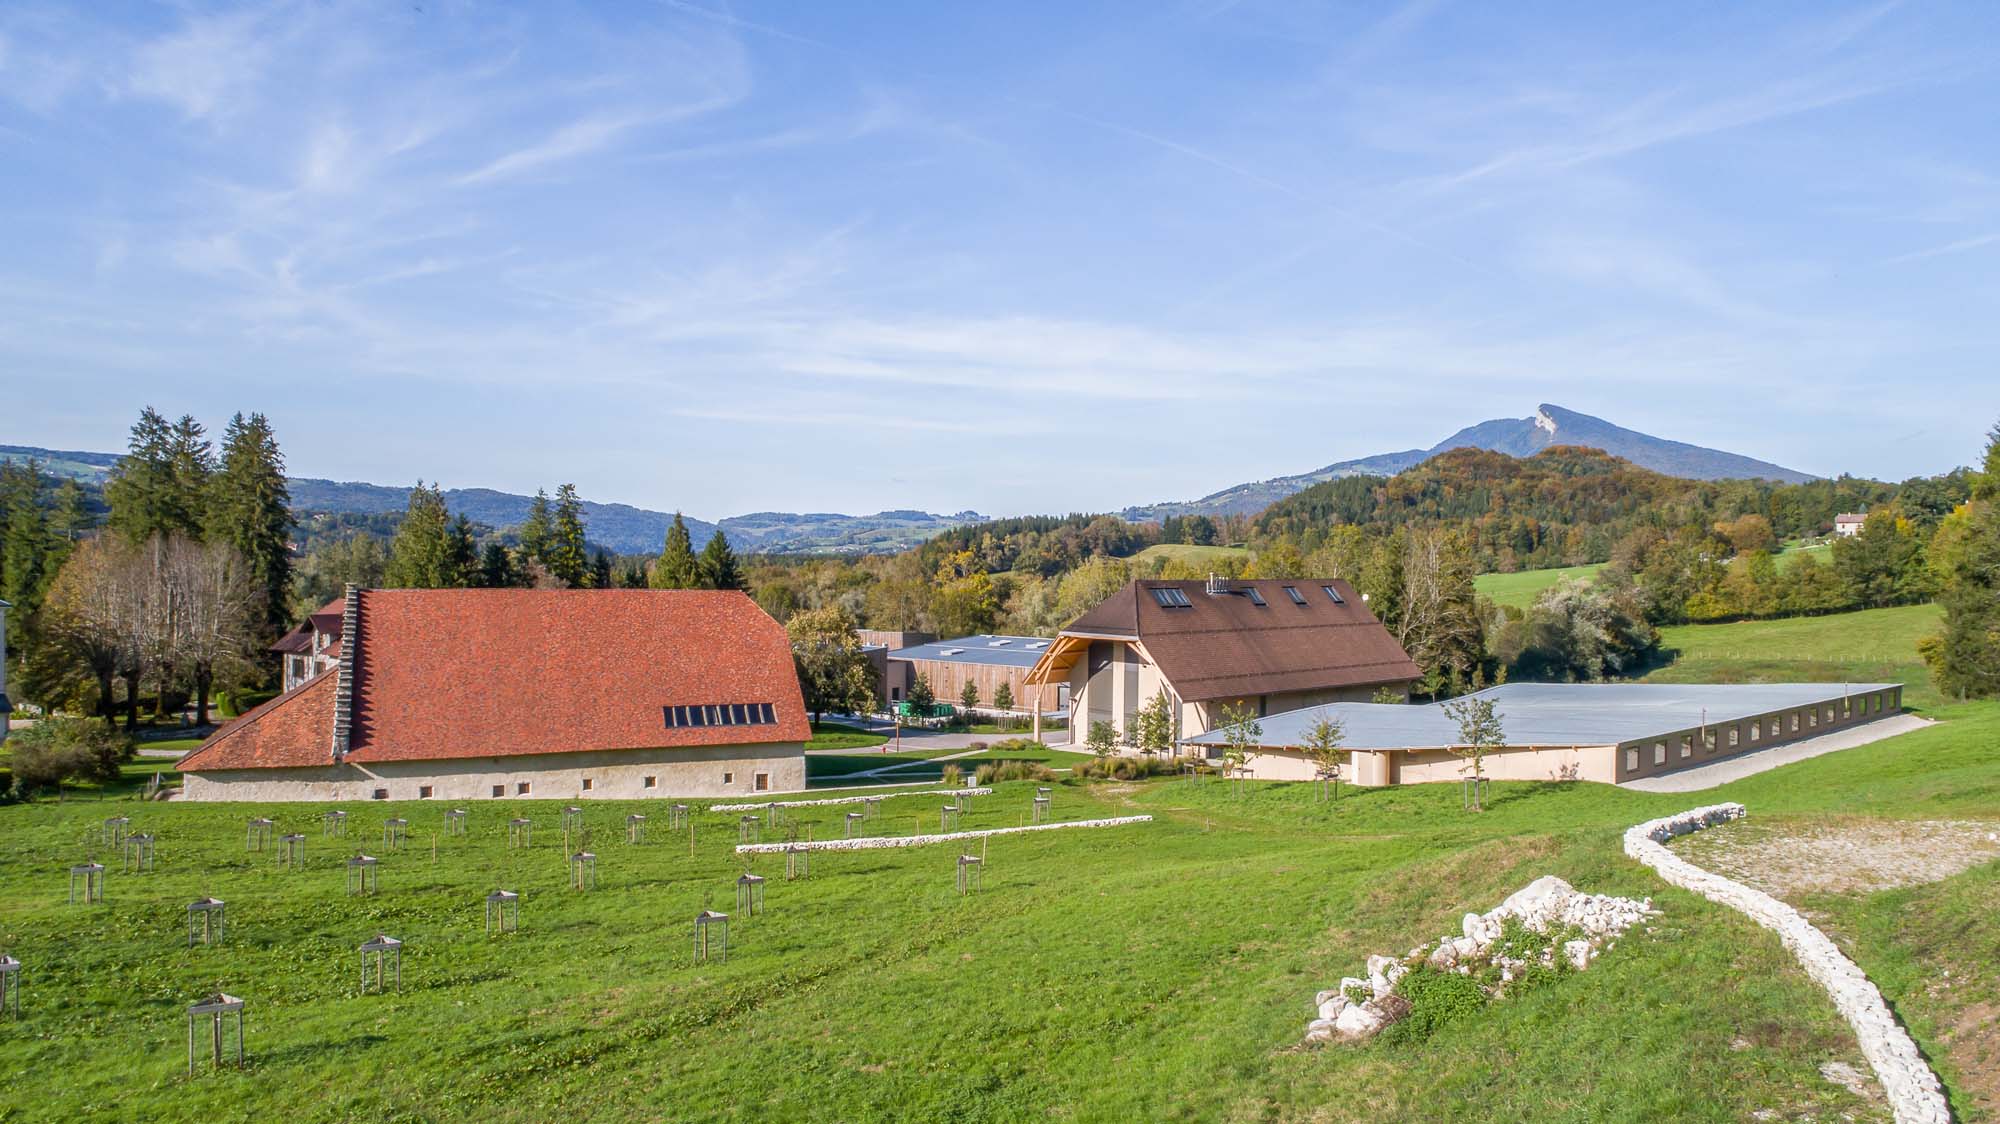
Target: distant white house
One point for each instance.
(1848, 524)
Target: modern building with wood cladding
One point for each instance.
(469, 694)
(1607, 732)
(1268, 645)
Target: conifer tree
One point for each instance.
(719, 568)
(419, 557)
(567, 559)
(461, 561)
(141, 491)
(496, 567)
(537, 530)
(250, 508)
(600, 571)
(676, 567)
(191, 459)
(24, 537)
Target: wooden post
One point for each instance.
(1038, 711)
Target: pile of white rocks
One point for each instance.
(1360, 1008)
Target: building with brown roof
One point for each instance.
(465, 694)
(312, 647)
(1269, 645)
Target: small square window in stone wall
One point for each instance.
(729, 778)
(425, 792)
(586, 784)
(523, 788)
(652, 782)
(381, 794)
(499, 790)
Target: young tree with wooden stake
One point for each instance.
(1240, 731)
(1322, 744)
(1153, 727)
(1101, 740)
(1479, 734)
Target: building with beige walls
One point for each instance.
(469, 694)
(1268, 645)
(1608, 732)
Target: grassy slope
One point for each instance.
(833, 735)
(1874, 644)
(1158, 972)
(1523, 586)
(1192, 555)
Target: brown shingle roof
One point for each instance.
(1227, 646)
(493, 673)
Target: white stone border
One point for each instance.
(883, 842)
(1915, 1095)
(847, 799)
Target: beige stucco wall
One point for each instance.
(1118, 701)
(614, 775)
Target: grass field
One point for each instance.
(1196, 556)
(1522, 587)
(1157, 972)
(1870, 645)
(833, 735)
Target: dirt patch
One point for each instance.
(1787, 859)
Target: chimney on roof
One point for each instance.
(343, 684)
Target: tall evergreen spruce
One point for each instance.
(24, 537)
(141, 491)
(719, 568)
(600, 571)
(536, 531)
(250, 508)
(496, 567)
(461, 554)
(191, 465)
(676, 567)
(1964, 654)
(567, 559)
(420, 557)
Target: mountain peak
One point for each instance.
(1550, 424)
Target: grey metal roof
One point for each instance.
(1004, 651)
(1554, 713)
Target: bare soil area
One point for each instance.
(1790, 859)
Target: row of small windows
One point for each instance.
(1170, 597)
(1733, 736)
(720, 714)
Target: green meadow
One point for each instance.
(1161, 971)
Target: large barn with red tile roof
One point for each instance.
(465, 694)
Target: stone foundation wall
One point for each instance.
(613, 775)
(1915, 1096)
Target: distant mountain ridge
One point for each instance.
(1518, 437)
(615, 526)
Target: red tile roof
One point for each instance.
(293, 729)
(453, 673)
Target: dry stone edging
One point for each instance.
(1915, 1095)
(884, 842)
(847, 799)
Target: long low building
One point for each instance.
(1609, 732)
(467, 694)
(986, 661)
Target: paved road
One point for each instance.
(1763, 760)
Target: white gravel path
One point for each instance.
(1750, 764)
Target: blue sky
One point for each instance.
(1012, 257)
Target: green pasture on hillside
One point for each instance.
(1163, 971)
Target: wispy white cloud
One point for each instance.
(578, 138)
(1960, 246)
